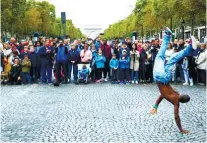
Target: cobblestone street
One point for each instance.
(98, 113)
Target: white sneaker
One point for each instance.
(132, 82)
(136, 82)
(194, 42)
(185, 83)
(191, 84)
(105, 80)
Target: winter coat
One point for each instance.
(201, 60)
(34, 58)
(100, 61)
(134, 60)
(16, 71)
(124, 64)
(26, 66)
(62, 54)
(73, 55)
(106, 50)
(114, 63)
(86, 56)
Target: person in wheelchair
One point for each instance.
(83, 74)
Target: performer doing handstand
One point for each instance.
(163, 73)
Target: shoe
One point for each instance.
(194, 42)
(69, 80)
(168, 31)
(121, 82)
(136, 82)
(50, 83)
(132, 82)
(191, 82)
(105, 80)
(97, 81)
(185, 83)
(127, 83)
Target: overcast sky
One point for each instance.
(94, 12)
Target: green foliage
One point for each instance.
(24, 17)
(153, 14)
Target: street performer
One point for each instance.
(162, 73)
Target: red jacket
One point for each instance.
(106, 50)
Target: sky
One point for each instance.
(94, 12)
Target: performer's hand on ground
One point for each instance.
(153, 111)
(185, 132)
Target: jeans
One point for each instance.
(163, 72)
(46, 73)
(59, 66)
(186, 75)
(134, 75)
(26, 78)
(124, 74)
(75, 71)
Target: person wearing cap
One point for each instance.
(73, 59)
(124, 47)
(124, 65)
(114, 65)
(106, 50)
(162, 73)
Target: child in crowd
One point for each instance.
(25, 52)
(114, 64)
(83, 73)
(124, 68)
(26, 65)
(134, 64)
(100, 61)
(15, 73)
(92, 64)
(34, 64)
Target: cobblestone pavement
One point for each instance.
(98, 113)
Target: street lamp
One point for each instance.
(183, 29)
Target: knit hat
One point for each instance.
(124, 51)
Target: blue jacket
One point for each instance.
(100, 60)
(73, 55)
(84, 71)
(97, 45)
(94, 54)
(46, 58)
(128, 52)
(114, 63)
(62, 54)
(34, 58)
(124, 64)
(79, 47)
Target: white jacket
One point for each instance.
(201, 60)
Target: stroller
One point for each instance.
(83, 73)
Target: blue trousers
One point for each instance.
(134, 75)
(75, 70)
(46, 73)
(26, 78)
(163, 72)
